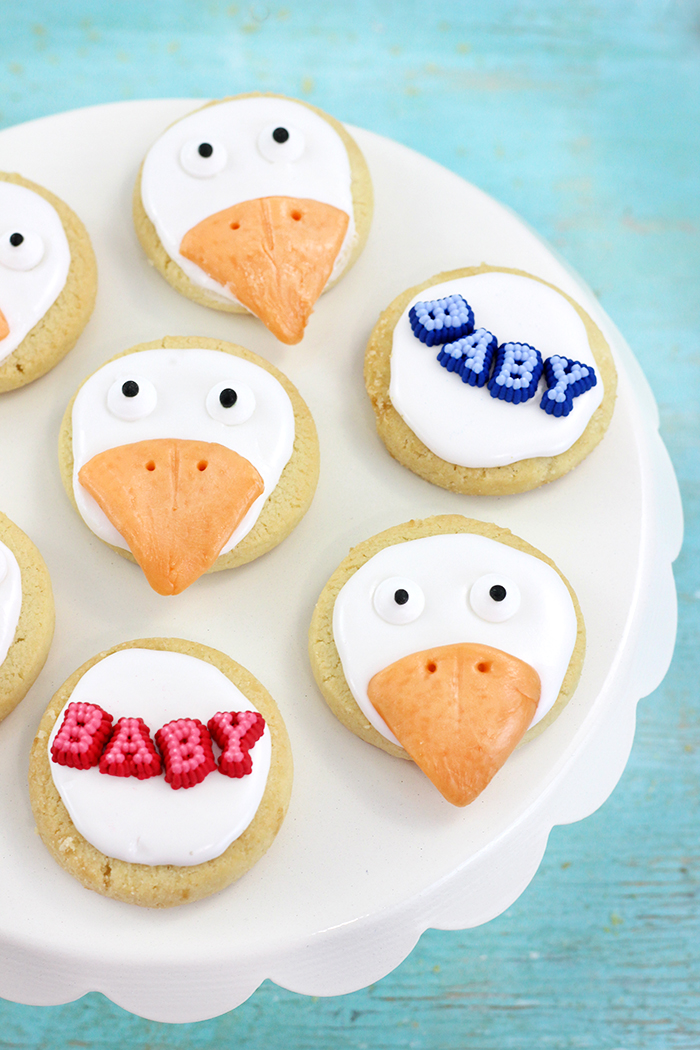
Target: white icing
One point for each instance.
(182, 379)
(147, 821)
(176, 201)
(542, 631)
(10, 599)
(26, 294)
(465, 425)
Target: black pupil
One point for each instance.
(205, 149)
(228, 397)
(280, 134)
(16, 239)
(497, 592)
(401, 596)
(130, 388)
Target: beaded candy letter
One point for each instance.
(185, 744)
(566, 379)
(441, 320)
(470, 354)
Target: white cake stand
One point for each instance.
(370, 855)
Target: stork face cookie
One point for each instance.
(489, 381)
(189, 455)
(26, 614)
(447, 641)
(48, 280)
(254, 204)
(160, 773)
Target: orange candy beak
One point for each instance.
(4, 326)
(459, 711)
(275, 254)
(175, 502)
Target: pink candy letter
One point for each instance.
(186, 748)
(130, 751)
(236, 732)
(82, 736)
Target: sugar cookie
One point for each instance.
(26, 615)
(510, 398)
(254, 204)
(448, 641)
(160, 827)
(189, 455)
(48, 280)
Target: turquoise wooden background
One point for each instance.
(584, 117)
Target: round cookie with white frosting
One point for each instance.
(48, 280)
(26, 614)
(448, 641)
(189, 455)
(254, 204)
(510, 395)
(160, 773)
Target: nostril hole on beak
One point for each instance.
(202, 465)
(235, 225)
(296, 215)
(150, 465)
(431, 668)
(483, 667)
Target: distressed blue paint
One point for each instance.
(584, 118)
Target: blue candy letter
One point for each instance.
(566, 379)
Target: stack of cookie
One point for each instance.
(445, 641)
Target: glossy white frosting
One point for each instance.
(176, 201)
(10, 599)
(26, 295)
(542, 631)
(183, 379)
(465, 425)
(147, 821)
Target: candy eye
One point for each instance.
(230, 403)
(398, 600)
(203, 157)
(281, 142)
(131, 398)
(495, 598)
(21, 249)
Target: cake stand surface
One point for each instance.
(370, 855)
